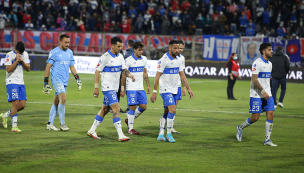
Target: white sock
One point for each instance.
(245, 124)
(163, 124)
(14, 120)
(138, 111)
(169, 125)
(268, 129)
(96, 123)
(117, 124)
(130, 119)
(7, 114)
(173, 121)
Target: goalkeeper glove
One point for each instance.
(78, 81)
(46, 87)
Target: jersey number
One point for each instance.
(170, 100)
(255, 108)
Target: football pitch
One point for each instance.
(206, 143)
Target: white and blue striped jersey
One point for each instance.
(110, 66)
(182, 58)
(262, 68)
(61, 60)
(136, 67)
(16, 76)
(170, 68)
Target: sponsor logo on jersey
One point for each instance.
(64, 62)
(254, 69)
(158, 66)
(6, 60)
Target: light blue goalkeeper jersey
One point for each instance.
(61, 60)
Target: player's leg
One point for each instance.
(162, 125)
(255, 108)
(130, 120)
(268, 106)
(178, 97)
(53, 113)
(171, 114)
(283, 91)
(14, 116)
(117, 122)
(97, 121)
(142, 102)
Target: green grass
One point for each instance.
(206, 143)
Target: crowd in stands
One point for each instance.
(221, 17)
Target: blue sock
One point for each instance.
(116, 119)
(99, 118)
(165, 116)
(249, 121)
(141, 110)
(53, 113)
(61, 110)
(170, 115)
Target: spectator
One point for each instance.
(141, 7)
(123, 16)
(92, 22)
(281, 32)
(211, 8)
(204, 10)
(6, 6)
(71, 24)
(3, 20)
(177, 28)
(199, 26)
(63, 24)
(40, 18)
(132, 11)
(72, 9)
(58, 21)
(165, 25)
(13, 19)
(208, 24)
(151, 10)
(185, 5)
(83, 3)
(265, 32)
(222, 20)
(53, 28)
(16, 6)
(215, 15)
(151, 26)
(219, 7)
(259, 12)
(152, 4)
(175, 5)
(94, 4)
(113, 27)
(191, 28)
(216, 27)
(43, 28)
(278, 19)
(250, 31)
(139, 24)
(243, 23)
(186, 19)
(272, 33)
(50, 20)
(29, 25)
(80, 24)
(147, 17)
(232, 7)
(293, 19)
(27, 5)
(234, 22)
(26, 17)
(125, 26)
(266, 18)
(161, 10)
(157, 22)
(247, 12)
(194, 10)
(260, 34)
(227, 30)
(252, 24)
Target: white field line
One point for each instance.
(193, 110)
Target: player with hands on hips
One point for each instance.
(15, 61)
(168, 69)
(110, 65)
(136, 95)
(60, 60)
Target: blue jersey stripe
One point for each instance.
(136, 69)
(264, 75)
(112, 69)
(19, 63)
(174, 70)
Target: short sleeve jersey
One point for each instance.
(136, 67)
(61, 60)
(182, 58)
(110, 66)
(16, 76)
(262, 68)
(170, 68)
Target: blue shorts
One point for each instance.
(59, 88)
(110, 97)
(136, 97)
(179, 94)
(259, 105)
(15, 92)
(168, 99)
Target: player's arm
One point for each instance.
(185, 83)
(127, 73)
(46, 85)
(10, 68)
(156, 82)
(74, 72)
(122, 85)
(145, 76)
(259, 86)
(26, 66)
(96, 79)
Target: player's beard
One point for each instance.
(269, 56)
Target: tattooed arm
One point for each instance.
(258, 85)
(127, 73)
(145, 75)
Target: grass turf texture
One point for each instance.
(206, 143)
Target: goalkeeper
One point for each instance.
(60, 60)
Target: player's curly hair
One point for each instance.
(264, 46)
(138, 44)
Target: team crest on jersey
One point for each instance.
(254, 65)
(254, 69)
(159, 62)
(111, 61)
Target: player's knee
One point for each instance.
(62, 101)
(255, 118)
(143, 107)
(173, 110)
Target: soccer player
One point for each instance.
(136, 95)
(260, 94)
(180, 92)
(15, 61)
(168, 69)
(110, 66)
(60, 60)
